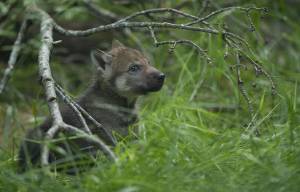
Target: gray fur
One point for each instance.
(107, 102)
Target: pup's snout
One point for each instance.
(155, 80)
(161, 77)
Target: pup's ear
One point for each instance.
(116, 44)
(100, 59)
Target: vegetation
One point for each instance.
(196, 133)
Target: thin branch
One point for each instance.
(212, 14)
(85, 113)
(13, 56)
(45, 149)
(74, 108)
(117, 25)
(173, 43)
(241, 85)
(158, 10)
(45, 71)
(245, 94)
(94, 139)
(260, 70)
(257, 67)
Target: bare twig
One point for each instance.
(245, 94)
(158, 10)
(13, 56)
(84, 112)
(241, 85)
(117, 25)
(96, 140)
(257, 67)
(74, 108)
(212, 14)
(173, 43)
(259, 70)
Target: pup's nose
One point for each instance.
(161, 77)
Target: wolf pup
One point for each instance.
(123, 74)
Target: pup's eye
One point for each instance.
(134, 68)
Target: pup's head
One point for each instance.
(128, 71)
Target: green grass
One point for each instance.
(183, 145)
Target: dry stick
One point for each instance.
(48, 83)
(13, 56)
(161, 10)
(259, 70)
(241, 85)
(175, 42)
(245, 94)
(45, 71)
(158, 10)
(78, 113)
(132, 25)
(224, 10)
(92, 138)
(257, 67)
(84, 112)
